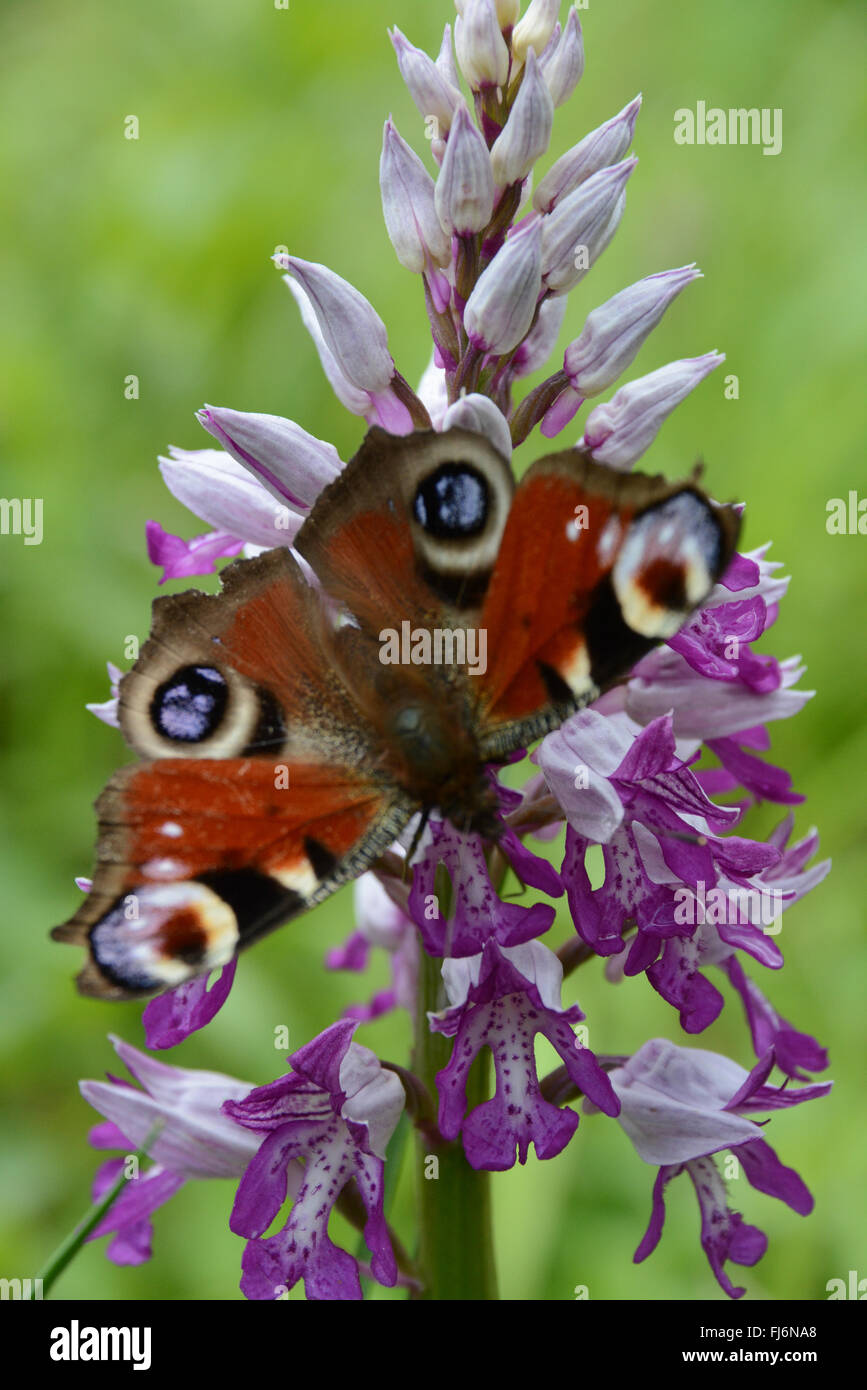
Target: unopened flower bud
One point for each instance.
(599, 150)
(355, 343)
(429, 88)
(614, 332)
(507, 12)
(479, 414)
(482, 52)
(464, 194)
(619, 431)
(535, 27)
(291, 464)
(539, 343)
(500, 309)
(411, 219)
(527, 131)
(445, 60)
(580, 227)
(562, 63)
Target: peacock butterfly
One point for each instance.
(290, 729)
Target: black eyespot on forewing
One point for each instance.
(190, 705)
(452, 502)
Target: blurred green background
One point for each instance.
(261, 126)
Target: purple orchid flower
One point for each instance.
(501, 999)
(336, 1110)
(196, 1140)
(679, 1106)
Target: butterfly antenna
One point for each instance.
(419, 831)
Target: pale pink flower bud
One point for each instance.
(562, 63)
(580, 227)
(482, 52)
(539, 343)
(464, 194)
(500, 309)
(349, 395)
(291, 464)
(599, 150)
(613, 333)
(445, 60)
(527, 131)
(432, 92)
(355, 338)
(619, 431)
(535, 27)
(507, 12)
(479, 414)
(228, 495)
(432, 391)
(411, 219)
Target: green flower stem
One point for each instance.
(66, 1252)
(456, 1244)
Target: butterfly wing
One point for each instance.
(595, 567)
(262, 790)
(411, 527)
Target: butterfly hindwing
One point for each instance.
(594, 568)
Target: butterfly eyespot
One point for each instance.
(191, 705)
(453, 502)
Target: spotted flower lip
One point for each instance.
(336, 1110)
(477, 913)
(678, 1107)
(501, 999)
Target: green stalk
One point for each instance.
(456, 1243)
(66, 1252)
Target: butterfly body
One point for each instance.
(291, 726)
